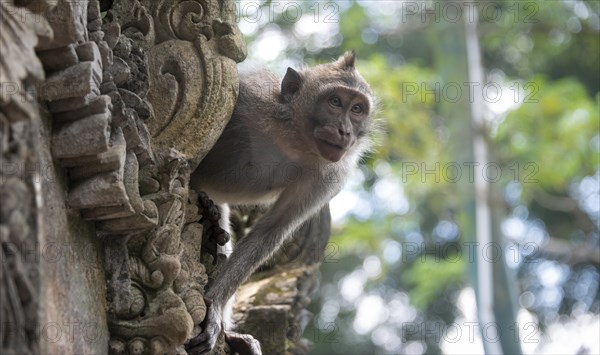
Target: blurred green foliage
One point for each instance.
(554, 130)
(545, 55)
(440, 275)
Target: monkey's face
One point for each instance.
(333, 104)
(341, 117)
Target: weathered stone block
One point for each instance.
(105, 213)
(96, 36)
(75, 81)
(105, 54)
(88, 136)
(108, 86)
(88, 52)
(112, 31)
(120, 71)
(145, 220)
(68, 20)
(70, 104)
(99, 191)
(100, 104)
(93, 11)
(112, 159)
(94, 25)
(59, 58)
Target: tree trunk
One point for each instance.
(457, 59)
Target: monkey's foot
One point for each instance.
(243, 344)
(204, 342)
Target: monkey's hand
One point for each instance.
(204, 342)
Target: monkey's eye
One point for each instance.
(357, 108)
(335, 101)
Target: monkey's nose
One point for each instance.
(343, 131)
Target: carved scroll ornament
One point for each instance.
(175, 68)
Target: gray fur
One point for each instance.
(268, 155)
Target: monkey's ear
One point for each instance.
(290, 84)
(346, 61)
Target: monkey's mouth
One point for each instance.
(333, 145)
(330, 151)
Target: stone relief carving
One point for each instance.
(174, 70)
(138, 92)
(20, 225)
(191, 48)
(156, 319)
(137, 98)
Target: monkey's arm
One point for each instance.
(293, 207)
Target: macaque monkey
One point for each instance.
(289, 145)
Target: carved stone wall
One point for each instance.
(105, 109)
(52, 280)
